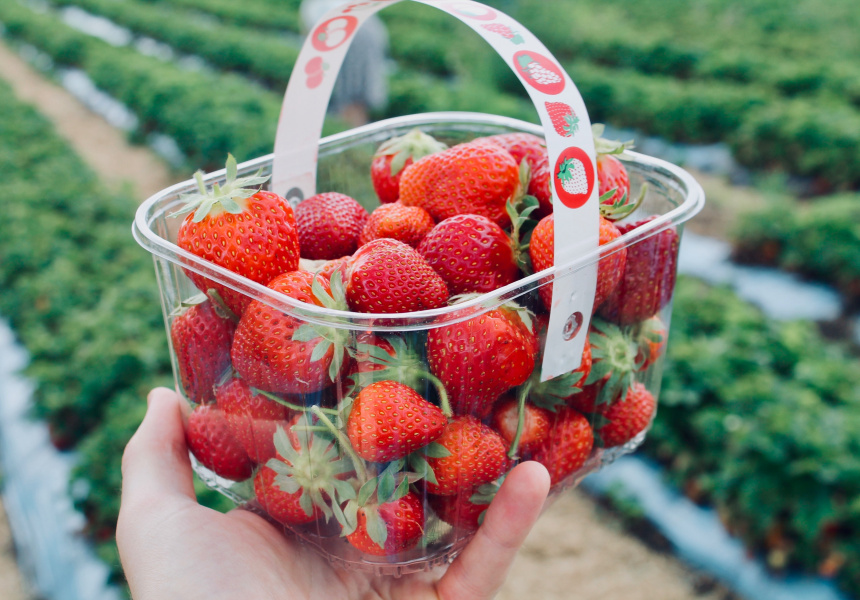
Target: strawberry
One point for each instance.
(568, 445)
(472, 178)
(651, 335)
(408, 224)
(329, 225)
(471, 253)
(251, 417)
(564, 120)
(532, 149)
(389, 420)
(394, 156)
(304, 481)
(463, 356)
(535, 427)
(251, 233)
(465, 510)
(613, 181)
(283, 354)
(616, 360)
(388, 276)
(330, 267)
(213, 445)
(201, 339)
(624, 420)
(609, 269)
(389, 528)
(648, 280)
(505, 31)
(477, 455)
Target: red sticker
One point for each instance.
(573, 177)
(334, 32)
(539, 72)
(472, 10)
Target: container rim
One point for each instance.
(145, 215)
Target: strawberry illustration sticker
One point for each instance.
(539, 72)
(573, 177)
(315, 70)
(472, 10)
(505, 31)
(334, 32)
(564, 120)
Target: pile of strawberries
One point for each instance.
(398, 439)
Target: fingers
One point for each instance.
(155, 462)
(478, 573)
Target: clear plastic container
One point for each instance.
(583, 433)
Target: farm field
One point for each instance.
(758, 418)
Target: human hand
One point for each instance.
(172, 548)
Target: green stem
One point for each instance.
(343, 441)
(290, 405)
(521, 419)
(219, 301)
(444, 402)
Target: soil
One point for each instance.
(576, 549)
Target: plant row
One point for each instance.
(280, 15)
(820, 240)
(265, 56)
(762, 420)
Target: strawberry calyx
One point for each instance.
(230, 197)
(415, 145)
(620, 207)
(616, 358)
(605, 146)
(520, 209)
(486, 493)
(328, 336)
(315, 469)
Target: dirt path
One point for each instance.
(574, 552)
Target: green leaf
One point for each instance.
(345, 490)
(287, 484)
(350, 513)
(385, 487)
(320, 350)
(436, 450)
(422, 467)
(401, 491)
(376, 528)
(366, 491)
(305, 333)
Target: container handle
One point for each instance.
(562, 113)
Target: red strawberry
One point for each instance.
(473, 178)
(249, 232)
(651, 335)
(568, 445)
(201, 339)
(609, 269)
(395, 527)
(505, 31)
(613, 182)
(532, 149)
(481, 358)
(330, 267)
(466, 509)
(536, 423)
(648, 280)
(329, 225)
(252, 418)
(297, 486)
(624, 420)
(388, 276)
(564, 120)
(280, 353)
(394, 156)
(214, 446)
(471, 253)
(477, 456)
(408, 224)
(389, 420)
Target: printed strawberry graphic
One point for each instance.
(329, 225)
(462, 354)
(251, 417)
(201, 339)
(389, 420)
(388, 276)
(504, 31)
(473, 178)
(621, 421)
(213, 445)
(568, 445)
(407, 224)
(471, 253)
(648, 280)
(537, 72)
(283, 354)
(249, 232)
(477, 455)
(564, 120)
(571, 174)
(393, 156)
(609, 270)
(389, 528)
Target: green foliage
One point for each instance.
(762, 418)
(819, 239)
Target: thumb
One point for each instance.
(155, 463)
